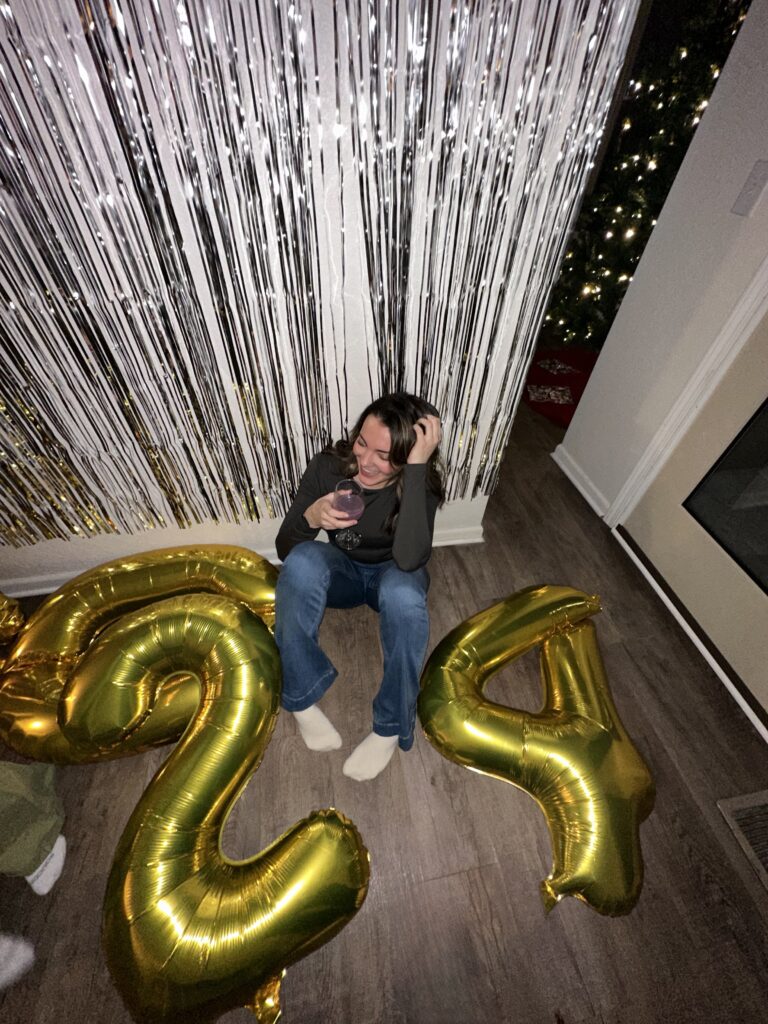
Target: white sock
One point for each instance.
(44, 877)
(370, 757)
(316, 730)
(16, 957)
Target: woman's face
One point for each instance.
(371, 449)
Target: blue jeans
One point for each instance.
(316, 576)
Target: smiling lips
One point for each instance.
(370, 474)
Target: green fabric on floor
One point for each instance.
(31, 816)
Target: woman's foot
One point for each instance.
(316, 730)
(45, 876)
(370, 757)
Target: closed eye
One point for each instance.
(383, 454)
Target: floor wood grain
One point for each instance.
(453, 931)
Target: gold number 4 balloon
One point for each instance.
(574, 757)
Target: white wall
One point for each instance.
(699, 262)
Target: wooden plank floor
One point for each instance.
(453, 931)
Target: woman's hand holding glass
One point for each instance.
(348, 500)
(428, 434)
(339, 510)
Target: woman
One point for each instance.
(392, 453)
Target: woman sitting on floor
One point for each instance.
(378, 560)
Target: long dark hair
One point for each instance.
(398, 413)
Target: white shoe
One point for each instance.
(46, 875)
(16, 957)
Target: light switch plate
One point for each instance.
(752, 190)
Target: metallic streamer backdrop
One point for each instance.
(224, 225)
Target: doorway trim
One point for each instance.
(735, 333)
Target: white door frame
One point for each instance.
(734, 334)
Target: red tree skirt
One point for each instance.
(556, 381)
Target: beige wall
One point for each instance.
(699, 262)
(730, 607)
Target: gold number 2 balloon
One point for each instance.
(188, 932)
(574, 757)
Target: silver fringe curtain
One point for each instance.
(225, 225)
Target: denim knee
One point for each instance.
(299, 608)
(402, 591)
(300, 595)
(304, 565)
(307, 558)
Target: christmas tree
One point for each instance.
(676, 68)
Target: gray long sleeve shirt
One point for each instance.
(411, 543)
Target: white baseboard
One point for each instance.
(716, 668)
(595, 498)
(447, 535)
(34, 586)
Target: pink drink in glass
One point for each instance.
(350, 503)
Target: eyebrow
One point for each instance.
(381, 451)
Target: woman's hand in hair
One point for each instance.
(428, 434)
(321, 515)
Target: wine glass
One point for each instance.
(348, 499)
